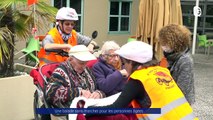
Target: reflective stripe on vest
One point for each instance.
(145, 118)
(190, 116)
(168, 108)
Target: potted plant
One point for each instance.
(16, 22)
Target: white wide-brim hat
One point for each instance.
(136, 51)
(81, 52)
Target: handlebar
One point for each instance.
(95, 47)
(64, 53)
(59, 52)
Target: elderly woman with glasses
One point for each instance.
(108, 71)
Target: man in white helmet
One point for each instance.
(63, 36)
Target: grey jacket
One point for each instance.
(181, 68)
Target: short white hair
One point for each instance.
(109, 45)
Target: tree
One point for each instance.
(16, 22)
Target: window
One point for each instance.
(209, 16)
(205, 21)
(77, 5)
(209, 10)
(119, 17)
(188, 16)
(59, 3)
(189, 21)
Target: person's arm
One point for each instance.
(92, 45)
(185, 78)
(58, 92)
(106, 83)
(49, 44)
(97, 93)
(133, 90)
(82, 39)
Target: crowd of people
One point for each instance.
(131, 69)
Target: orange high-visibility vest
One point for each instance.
(163, 93)
(163, 62)
(49, 57)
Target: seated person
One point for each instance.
(61, 37)
(72, 79)
(108, 71)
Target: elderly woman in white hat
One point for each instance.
(150, 86)
(72, 79)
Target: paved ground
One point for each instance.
(203, 86)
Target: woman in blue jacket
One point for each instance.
(108, 71)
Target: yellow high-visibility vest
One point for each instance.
(163, 93)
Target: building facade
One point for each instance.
(205, 21)
(118, 19)
(113, 19)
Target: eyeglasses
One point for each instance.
(69, 23)
(111, 56)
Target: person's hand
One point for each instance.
(95, 95)
(67, 47)
(124, 72)
(85, 93)
(91, 46)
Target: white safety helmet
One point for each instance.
(136, 51)
(66, 13)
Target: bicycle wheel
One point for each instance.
(37, 103)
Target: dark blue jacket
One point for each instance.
(109, 80)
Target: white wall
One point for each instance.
(16, 98)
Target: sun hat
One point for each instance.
(81, 52)
(136, 51)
